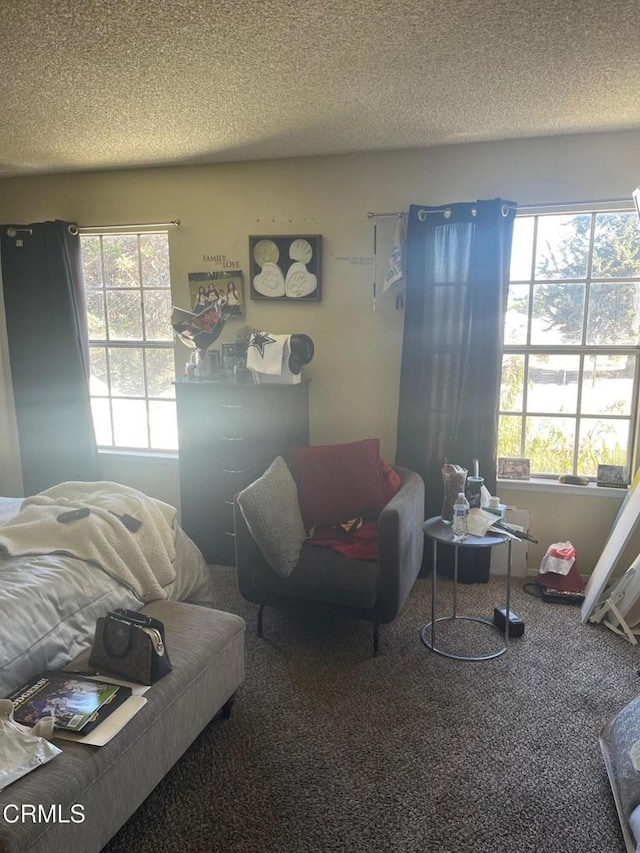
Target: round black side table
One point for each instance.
(440, 531)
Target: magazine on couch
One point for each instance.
(77, 704)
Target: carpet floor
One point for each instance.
(330, 749)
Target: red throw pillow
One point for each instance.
(339, 481)
(391, 479)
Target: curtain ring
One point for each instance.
(422, 215)
(11, 233)
(447, 213)
(505, 210)
(72, 229)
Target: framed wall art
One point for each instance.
(224, 288)
(286, 268)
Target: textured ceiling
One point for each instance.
(96, 84)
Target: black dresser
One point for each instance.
(228, 435)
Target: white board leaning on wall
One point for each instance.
(619, 606)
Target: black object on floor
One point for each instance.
(516, 625)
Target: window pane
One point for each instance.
(164, 425)
(95, 315)
(160, 372)
(516, 319)
(91, 261)
(552, 383)
(558, 313)
(101, 412)
(602, 442)
(136, 280)
(125, 316)
(616, 246)
(614, 314)
(157, 315)
(130, 423)
(98, 384)
(120, 254)
(125, 370)
(562, 247)
(154, 252)
(549, 443)
(512, 383)
(522, 248)
(607, 384)
(510, 436)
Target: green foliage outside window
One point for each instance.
(567, 313)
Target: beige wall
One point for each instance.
(354, 389)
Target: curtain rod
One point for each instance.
(175, 222)
(522, 207)
(447, 209)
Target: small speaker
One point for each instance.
(516, 625)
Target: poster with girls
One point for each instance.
(224, 289)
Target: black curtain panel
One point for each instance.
(458, 259)
(48, 348)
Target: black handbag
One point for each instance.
(130, 645)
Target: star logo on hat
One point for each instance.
(260, 340)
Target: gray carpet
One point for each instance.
(330, 749)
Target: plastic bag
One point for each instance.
(559, 558)
(22, 749)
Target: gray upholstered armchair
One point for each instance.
(375, 591)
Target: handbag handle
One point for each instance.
(105, 637)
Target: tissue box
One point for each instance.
(500, 510)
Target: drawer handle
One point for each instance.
(230, 438)
(231, 471)
(226, 533)
(231, 406)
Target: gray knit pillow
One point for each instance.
(271, 510)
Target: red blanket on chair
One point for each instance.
(356, 539)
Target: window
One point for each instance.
(570, 364)
(130, 340)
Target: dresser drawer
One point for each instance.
(228, 435)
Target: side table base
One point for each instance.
(425, 634)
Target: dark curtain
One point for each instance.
(457, 280)
(48, 348)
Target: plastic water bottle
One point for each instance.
(460, 515)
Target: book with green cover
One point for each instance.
(77, 704)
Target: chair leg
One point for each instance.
(260, 611)
(376, 626)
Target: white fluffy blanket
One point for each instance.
(142, 560)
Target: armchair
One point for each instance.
(361, 589)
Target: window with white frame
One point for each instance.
(569, 394)
(128, 296)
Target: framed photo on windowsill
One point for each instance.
(614, 476)
(513, 468)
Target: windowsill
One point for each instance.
(540, 485)
(154, 456)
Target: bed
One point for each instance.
(49, 602)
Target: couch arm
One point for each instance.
(400, 544)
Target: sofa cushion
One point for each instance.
(339, 481)
(326, 577)
(271, 511)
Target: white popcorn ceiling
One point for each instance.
(99, 84)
